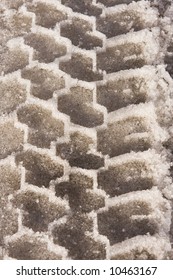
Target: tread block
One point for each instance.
(11, 139)
(12, 94)
(32, 247)
(82, 198)
(79, 199)
(13, 59)
(47, 15)
(87, 161)
(134, 128)
(133, 172)
(121, 20)
(78, 105)
(79, 141)
(115, 139)
(39, 208)
(80, 33)
(140, 248)
(46, 48)
(123, 90)
(43, 127)
(110, 3)
(77, 152)
(80, 244)
(83, 6)
(129, 51)
(132, 215)
(40, 167)
(43, 81)
(81, 180)
(125, 177)
(80, 67)
(15, 23)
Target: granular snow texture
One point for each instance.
(86, 129)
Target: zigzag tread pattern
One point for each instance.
(85, 129)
